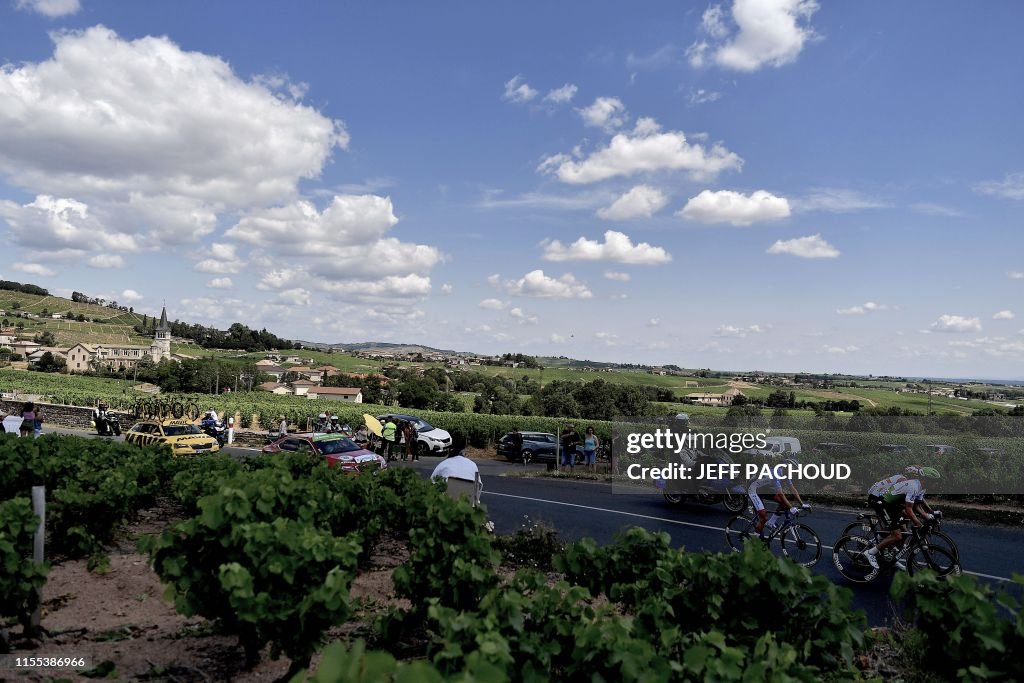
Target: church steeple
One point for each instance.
(163, 326)
(161, 346)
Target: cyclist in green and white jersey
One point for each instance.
(896, 498)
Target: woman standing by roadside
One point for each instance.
(409, 432)
(590, 445)
(28, 419)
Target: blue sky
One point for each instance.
(765, 184)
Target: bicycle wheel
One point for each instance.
(938, 539)
(738, 530)
(801, 544)
(848, 559)
(936, 559)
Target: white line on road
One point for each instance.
(680, 522)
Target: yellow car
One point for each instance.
(182, 436)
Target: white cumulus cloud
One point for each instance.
(131, 296)
(608, 113)
(841, 350)
(645, 149)
(538, 285)
(492, 304)
(1015, 275)
(561, 95)
(956, 323)
(762, 33)
(220, 283)
(106, 261)
(726, 206)
(812, 246)
(106, 117)
(641, 201)
(50, 8)
(50, 224)
(734, 331)
(33, 269)
(1004, 315)
(523, 317)
(517, 90)
(617, 247)
(862, 309)
(617, 276)
(348, 240)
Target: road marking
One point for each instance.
(682, 523)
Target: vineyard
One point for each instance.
(266, 554)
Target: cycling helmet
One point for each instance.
(912, 470)
(102, 406)
(929, 473)
(792, 462)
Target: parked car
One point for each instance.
(182, 436)
(939, 449)
(777, 447)
(833, 448)
(340, 451)
(429, 439)
(894, 448)
(537, 447)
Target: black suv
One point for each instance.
(537, 447)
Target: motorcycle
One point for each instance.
(732, 495)
(215, 428)
(107, 424)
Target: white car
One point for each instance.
(429, 439)
(777, 447)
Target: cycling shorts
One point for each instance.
(890, 513)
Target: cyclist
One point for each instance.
(772, 486)
(896, 498)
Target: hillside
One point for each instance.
(103, 325)
(380, 347)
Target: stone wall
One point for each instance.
(65, 416)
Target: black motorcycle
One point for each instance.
(107, 424)
(217, 431)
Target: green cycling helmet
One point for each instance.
(930, 473)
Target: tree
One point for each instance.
(16, 305)
(51, 363)
(45, 339)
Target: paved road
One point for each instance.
(580, 509)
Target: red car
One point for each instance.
(340, 451)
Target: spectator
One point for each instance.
(590, 445)
(362, 436)
(389, 433)
(517, 444)
(409, 434)
(38, 424)
(282, 427)
(569, 440)
(28, 419)
(458, 466)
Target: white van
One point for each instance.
(777, 447)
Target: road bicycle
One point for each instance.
(869, 525)
(917, 554)
(796, 541)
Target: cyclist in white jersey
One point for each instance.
(896, 498)
(772, 486)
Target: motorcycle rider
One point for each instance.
(102, 419)
(213, 427)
